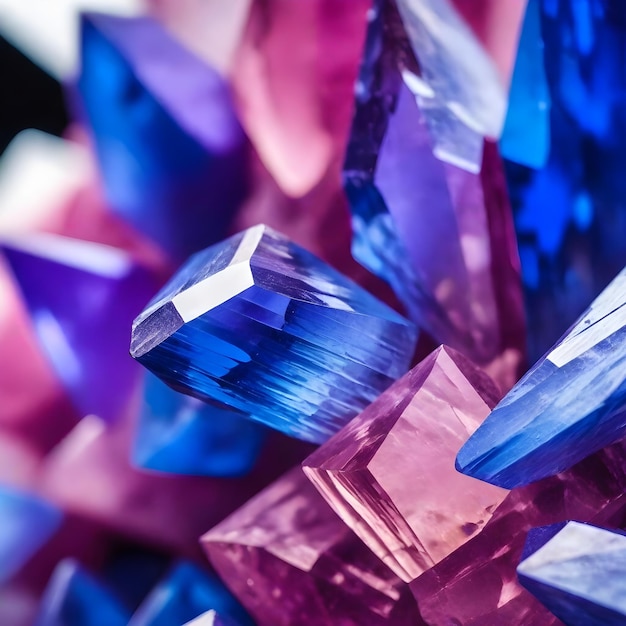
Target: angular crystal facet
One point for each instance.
(570, 404)
(440, 233)
(171, 150)
(26, 523)
(82, 298)
(182, 435)
(579, 575)
(290, 560)
(390, 472)
(477, 584)
(74, 598)
(262, 325)
(211, 618)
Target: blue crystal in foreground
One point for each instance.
(211, 618)
(74, 598)
(183, 595)
(183, 435)
(579, 575)
(570, 404)
(26, 523)
(262, 325)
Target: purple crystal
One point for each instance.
(390, 472)
(290, 560)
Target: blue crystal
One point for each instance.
(570, 215)
(211, 618)
(171, 151)
(26, 524)
(259, 324)
(183, 435)
(74, 598)
(579, 575)
(571, 403)
(183, 595)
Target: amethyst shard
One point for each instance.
(439, 232)
(74, 598)
(82, 297)
(390, 472)
(261, 325)
(290, 560)
(183, 435)
(579, 575)
(171, 150)
(570, 404)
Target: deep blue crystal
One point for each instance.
(183, 435)
(259, 324)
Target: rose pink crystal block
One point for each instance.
(290, 560)
(390, 472)
(477, 584)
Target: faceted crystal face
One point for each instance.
(390, 472)
(74, 598)
(182, 435)
(82, 298)
(579, 575)
(290, 560)
(261, 325)
(570, 404)
(211, 618)
(171, 151)
(439, 232)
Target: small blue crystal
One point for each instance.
(183, 435)
(263, 326)
(571, 403)
(26, 524)
(579, 575)
(74, 598)
(211, 618)
(183, 595)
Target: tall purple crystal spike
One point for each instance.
(82, 298)
(290, 560)
(441, 235)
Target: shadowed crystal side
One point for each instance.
(390, 472)
(272, 331)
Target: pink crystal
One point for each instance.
(477, 584)
(390, 472)
(290, 560)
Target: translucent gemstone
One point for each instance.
(82, 298)
(390, 472)
(570, 404)
(579, 575)
(211, 618)
(441, 234)
(74, 598)
(26, 524)
(477, 584)
(171, 151)
(290, 560)
(569, 212)
(182, 435)
(182, 595)
(262, 325)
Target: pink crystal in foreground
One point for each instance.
(390, 472)
(290, 560)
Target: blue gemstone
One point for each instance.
(171, 151)
(263, 326)
(211, 618)
(183, 595)
(183, 435)
(579, 575)
(26, 524)
(571, 403)
(74, 598)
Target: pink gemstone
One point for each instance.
(477, 584)
(390, 472)
(290, 560)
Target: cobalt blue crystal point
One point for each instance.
(579, 575)
(265, 327)
(570, 404)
